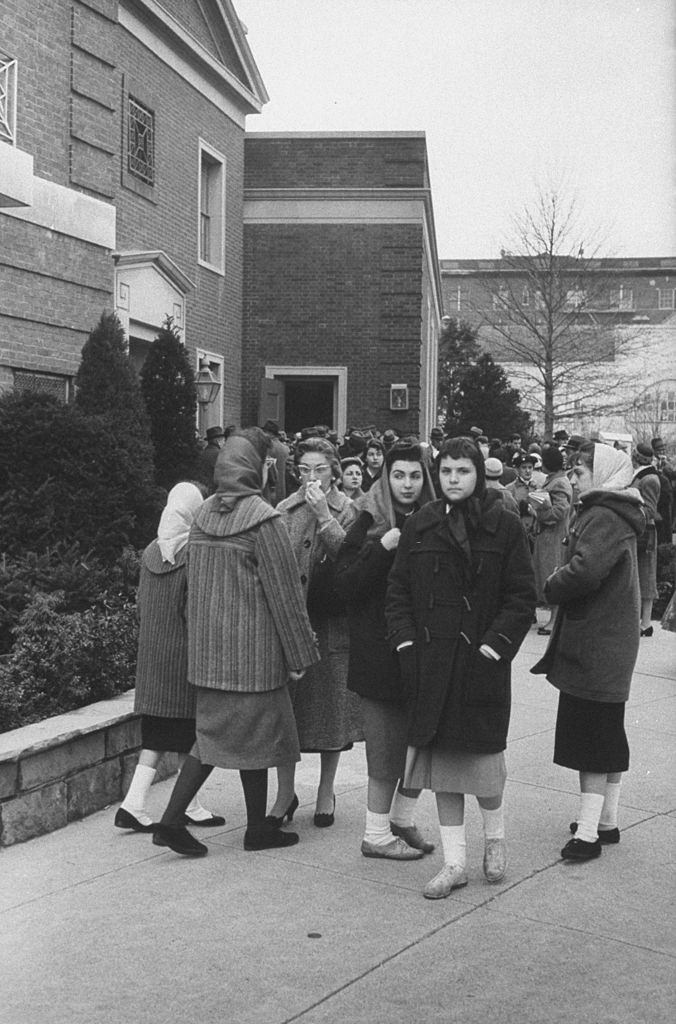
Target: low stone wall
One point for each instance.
(68, 767)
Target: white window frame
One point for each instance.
(216, 206)
(8, 83)
(665, 298)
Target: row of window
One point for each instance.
(620, 298)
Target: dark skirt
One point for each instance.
(175, 734)
(590, 735)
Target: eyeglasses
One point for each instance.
(306, 470)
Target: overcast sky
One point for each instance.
(510, 93)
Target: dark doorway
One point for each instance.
(308, 401)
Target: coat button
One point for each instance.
(307, 543)
(303, 578)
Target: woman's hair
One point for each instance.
(320, 446)
(466, 448)
(375, 443)
(403, 451)
(584, 456)
(351, 460)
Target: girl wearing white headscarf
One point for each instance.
(164, 698)
(592, 652)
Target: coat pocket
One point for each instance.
(487, 682)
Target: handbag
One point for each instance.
(322, 596)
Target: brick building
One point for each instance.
(121, 182)
(627, 305)
(342, 293)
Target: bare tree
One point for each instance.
(552, 314)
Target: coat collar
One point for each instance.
(432, 516)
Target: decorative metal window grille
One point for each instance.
(41, 384)
(141, 142)
(7, 99)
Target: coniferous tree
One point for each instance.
(484, 398)
(105, 380)
(168, 389)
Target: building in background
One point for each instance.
(342, 292)
(121, 183)
(623, 308)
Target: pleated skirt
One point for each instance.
(455, 771)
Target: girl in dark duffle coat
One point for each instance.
(362, 567)
(460, 601)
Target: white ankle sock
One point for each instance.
(453, 844)
(588, 817)
(611, 804)
(196, 811)
(494, 822)
(403, 809)
(378, 828)
(137, 794)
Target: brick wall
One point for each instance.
(346, 295)
(361, 161)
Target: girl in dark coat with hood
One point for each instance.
(593, 649)
(363, 564)
(460, 601)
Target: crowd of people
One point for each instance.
(305, 594)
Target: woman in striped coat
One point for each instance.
(164, 698)
(248, 634)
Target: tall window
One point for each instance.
(622, 298)
(7, 99)
(665, 298)
(141, 142)
(211, 208)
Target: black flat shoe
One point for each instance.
(267, 837)
(275, 822)
(578, 849)
(647, 632)
(607, 836)
(178, 839)
(326, 820)
(123, 819)
(213, 822)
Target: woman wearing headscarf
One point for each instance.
(164, 698)
(363, 564)
(459, 603)
(248, 634)
(592, 652)
(327, 714)
(647, 481)
(551, 526)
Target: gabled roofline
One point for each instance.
(254, 93)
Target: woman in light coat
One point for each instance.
(327, 715)
(164, 698)
(248, 634)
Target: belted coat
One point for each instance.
(450, 604)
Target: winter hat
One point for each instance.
(643, 455)
(494, 469)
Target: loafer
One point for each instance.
(267, 837)
(450, 877)
(607, 836)
(495, 860)
(213, 822)
(578, 849)
(396, 849)
(123, 819)
(178, 839)
(412, 837)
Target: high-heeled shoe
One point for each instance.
(326, 820)
(277, 822)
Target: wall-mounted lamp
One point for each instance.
(398, 397)
(206, 385)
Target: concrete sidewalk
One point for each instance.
(101, 926)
